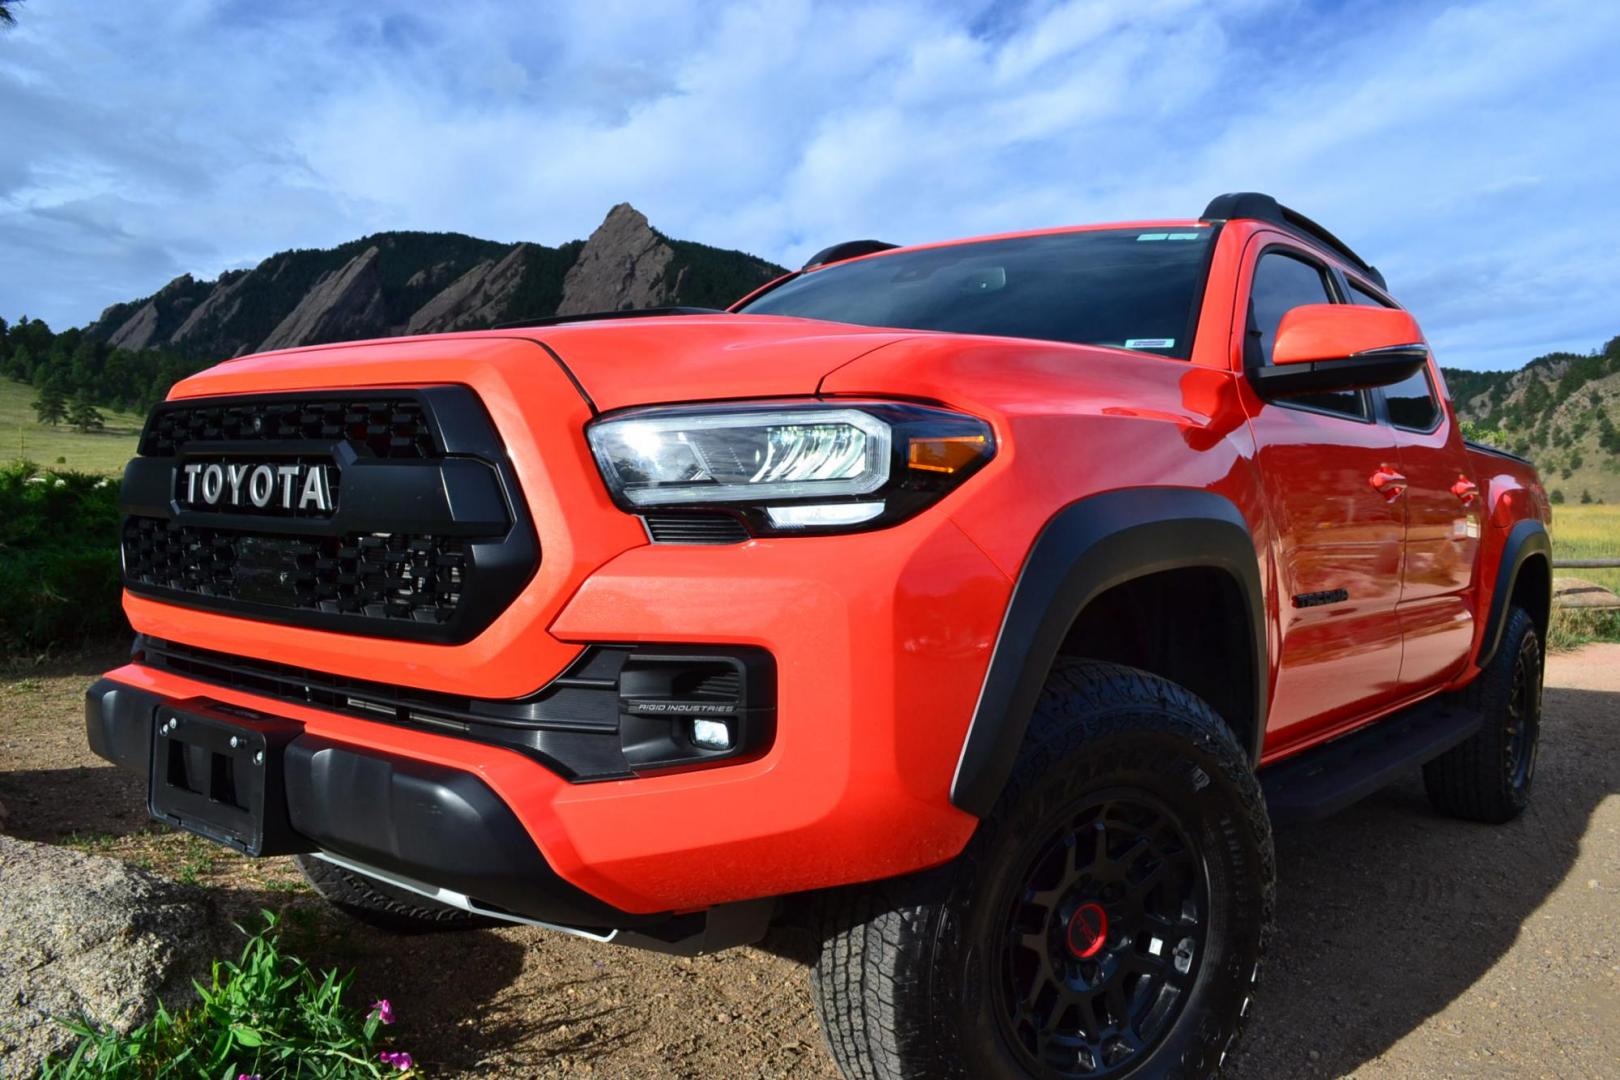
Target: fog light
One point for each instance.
(711, 734)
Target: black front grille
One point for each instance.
(418, 578)
(424, 535)
(384, 427)
(695, 528)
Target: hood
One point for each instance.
(655, 361)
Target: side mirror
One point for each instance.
(1341, 347)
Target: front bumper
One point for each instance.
(881, 642)
(406, 817)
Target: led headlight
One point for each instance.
(787, 454)
(789, 467)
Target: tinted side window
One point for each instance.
(1412, 404)
(1282, 283)
(1361, 296)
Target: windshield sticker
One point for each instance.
(1152, 236)
(1150, 343)
(1185, 236)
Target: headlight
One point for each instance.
(790, 467)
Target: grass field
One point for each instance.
(1588, 532)
(22, 437)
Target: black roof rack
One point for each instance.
(624, 313)
(1257, 206)
(849, 249)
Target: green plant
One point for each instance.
(1573, 627)
(262, 1017)
(59, 580)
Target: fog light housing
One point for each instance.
(711, 734)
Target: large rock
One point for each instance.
(477, 298)
(621, 266)
(84, 937)
(343, 305)
(216, 311)
(138, 330)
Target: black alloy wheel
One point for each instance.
(1102, 946)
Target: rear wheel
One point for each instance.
(1106, 920)
(379, 904)
(1488, 778)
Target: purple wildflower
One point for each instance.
(384, 1010)
(248, 1076)
(399, 1059)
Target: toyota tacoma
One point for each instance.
(981, 605)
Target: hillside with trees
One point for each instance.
(1561, 410)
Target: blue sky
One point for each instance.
(1471, 150)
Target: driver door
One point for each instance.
(1324, 465)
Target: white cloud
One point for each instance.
(1467, 149)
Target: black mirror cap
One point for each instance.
(1364, 371)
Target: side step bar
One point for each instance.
(1325, 779)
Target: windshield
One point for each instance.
(1129, 288)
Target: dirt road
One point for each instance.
(1407, 945)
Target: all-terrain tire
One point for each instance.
(1488, 778)
(379, 904)
(919, 977)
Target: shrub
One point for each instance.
(266, 1016)
(1573, 627)
(58, 558)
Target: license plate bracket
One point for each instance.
(217, 772)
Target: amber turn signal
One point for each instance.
(947, 453)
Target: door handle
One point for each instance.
(1466, 490)
(1388, 483)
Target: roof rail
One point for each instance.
(1261, 207)
(849, 249)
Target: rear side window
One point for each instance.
(1412, 404)
(1281, 283)
(1361, 296)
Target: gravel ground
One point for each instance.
(1407, 946)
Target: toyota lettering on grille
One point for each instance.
(283, 487)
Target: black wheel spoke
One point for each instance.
(1104, 941)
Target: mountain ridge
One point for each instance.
(391, 283)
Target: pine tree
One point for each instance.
(84, 415)
(51, 404)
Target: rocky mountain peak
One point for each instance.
(623, 265)
(344, 304)
(418, 282)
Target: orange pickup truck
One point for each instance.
(981, 603)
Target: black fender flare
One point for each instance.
(1087, 548)
(1526, 540)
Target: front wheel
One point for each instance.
(1106, 921)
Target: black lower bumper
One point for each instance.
(411, 819)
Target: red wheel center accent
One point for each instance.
(1088, 930)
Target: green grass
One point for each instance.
(24, 438)
(1588, 532)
